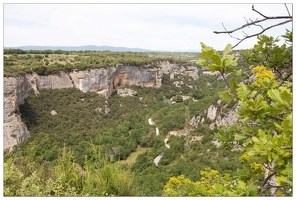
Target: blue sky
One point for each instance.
(168, 27)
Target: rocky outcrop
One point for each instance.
(196, 120)
(219, 115)
(167, 68)
(178, 83)
(14, 132)
(229, 118)
(223, 116)
(126, 92)
(53, 112)
(212, 112)
(179, 133)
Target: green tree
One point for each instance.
(264, 132)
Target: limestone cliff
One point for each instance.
(61, 80)
(104, 81)
(15, 91)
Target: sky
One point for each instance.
(154, 26)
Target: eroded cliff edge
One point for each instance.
(103, 81)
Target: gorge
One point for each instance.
(103, 81)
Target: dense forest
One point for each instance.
(84, 144)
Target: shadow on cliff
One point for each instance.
(28, 115)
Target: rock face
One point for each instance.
(15, 91)
(61, 80)
(212, 112)
(196, 120)
(167, 68)
(218, 117)
(230, 118)
(223, 118)
(104, 81)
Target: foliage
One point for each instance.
(95, 178)
(277, 58)
(211, 183)
(264, 133)
(12, 178)
(170, 118)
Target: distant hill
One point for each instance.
(83, 48)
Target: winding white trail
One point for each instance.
(157, 131)
(150, 121)
(166, 143)
(157, 159)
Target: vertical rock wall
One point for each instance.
(16, 89)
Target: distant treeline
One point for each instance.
(48, 51)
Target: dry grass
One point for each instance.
(132, 158)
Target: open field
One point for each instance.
(132, 158)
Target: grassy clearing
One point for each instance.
(132, 158)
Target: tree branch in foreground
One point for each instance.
(256, 23)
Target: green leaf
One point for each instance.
(216, 59)
(261, 134)
(274, 94)
(242, 91)
(219, 188)
(253, 94)
(227, 49)
(214, 68)
(238, 72)
(282, 180)
(279, 127)
(229, 61)
(286, 95)
(224, 95)
(233, 83)
(255, 139)
(260, 103)
(202, 61)
(287, 123)
(239, 137)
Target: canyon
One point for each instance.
(103, 81)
